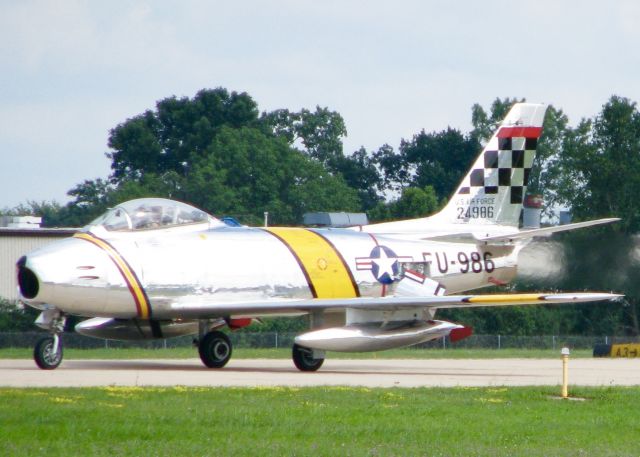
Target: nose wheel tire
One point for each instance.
(303, 359)
(215, 349)
(46, 355)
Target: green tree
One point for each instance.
(91, 198)
(438, 159)
(52, 213)
(360, 173)
(603, 259)
(485, 124)
(547, 164)
(601, 178)
(214, 151)
(319, 135)
(15, 318)
(394, 172)
(601, 164)
(244, 172)
(318, 190)
(247, 172)
(414, 202)
(179, 130)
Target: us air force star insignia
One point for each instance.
(383, 263)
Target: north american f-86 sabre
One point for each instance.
(157, 268)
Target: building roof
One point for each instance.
(45, 232)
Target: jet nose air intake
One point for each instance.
(63, 275)
(27, 280)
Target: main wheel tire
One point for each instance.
(303, 359)
(215, 349)
(45, 355)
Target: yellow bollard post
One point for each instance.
(565, 372)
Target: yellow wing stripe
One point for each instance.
(505, 298)
(133, 283)
(323, 266)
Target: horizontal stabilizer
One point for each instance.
(545, 231)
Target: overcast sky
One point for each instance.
(72, 70)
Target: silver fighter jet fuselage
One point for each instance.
(162, 274)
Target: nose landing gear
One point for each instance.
(48, 350)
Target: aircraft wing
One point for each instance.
(204, 310)
(545, 231)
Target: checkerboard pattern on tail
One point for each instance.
(505, 168)
(493, 190)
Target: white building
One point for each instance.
(16, 242)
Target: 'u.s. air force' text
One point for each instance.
(475, 208)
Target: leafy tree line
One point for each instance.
(16, 319)
(220, 153)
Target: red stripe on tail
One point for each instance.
(527, 132)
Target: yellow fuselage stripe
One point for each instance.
(129, 276)
(324, 268)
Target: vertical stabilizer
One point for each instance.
(489, 199)
(493, 190)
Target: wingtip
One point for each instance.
(583, 296)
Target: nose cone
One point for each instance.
(54, 274)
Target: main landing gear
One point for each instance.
(215, 349)
(213, 346)
(48, 350)
(306, 359)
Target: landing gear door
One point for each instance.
(416, 280)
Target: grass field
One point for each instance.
(182, 353)
(466, 422)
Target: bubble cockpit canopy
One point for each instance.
(152, 213)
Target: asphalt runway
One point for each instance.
(365, 373)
